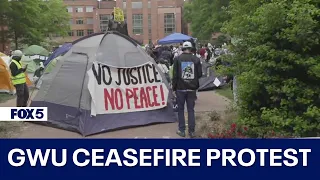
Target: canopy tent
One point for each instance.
(58, 52)
(174, 38)
(77, 100)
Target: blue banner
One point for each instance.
(131, 159)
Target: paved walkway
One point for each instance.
(207, 101)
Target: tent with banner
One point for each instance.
(209, 80)
(105, 82)
(174, 38)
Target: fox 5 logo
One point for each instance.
(23, 114)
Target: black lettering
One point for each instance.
(139, 75)
(126, 78)
(144, 74)
(104, 75)
(148, 75)
(155, 71)
(119, 77)
(96, 74)
(134, 79)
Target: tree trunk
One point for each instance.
(3, 40)
(16, 40)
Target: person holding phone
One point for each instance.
(19, 79)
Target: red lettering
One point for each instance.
(108, 99)
(143, 98)
(119, 99)
(148, 89)
(136, 105)
(129, 95)
(154, 93)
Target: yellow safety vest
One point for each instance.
(20, 78)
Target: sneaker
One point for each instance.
(192, 135)
(181, 133)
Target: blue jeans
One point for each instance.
(188, 97)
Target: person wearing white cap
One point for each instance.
(187, 71)
(18, 78)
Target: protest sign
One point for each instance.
(122, 90)
(118, 14)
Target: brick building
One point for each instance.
(148, 20)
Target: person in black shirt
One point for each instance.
(187, 71)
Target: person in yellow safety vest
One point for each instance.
(18, 78)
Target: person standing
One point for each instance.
(18, 78)
(187, 71)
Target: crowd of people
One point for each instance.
(182, 67)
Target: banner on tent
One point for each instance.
(122, 90)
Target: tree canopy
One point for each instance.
(206, 16)
(277, 62)
(31, 21)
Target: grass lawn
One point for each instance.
(225, 91)
(5, 97)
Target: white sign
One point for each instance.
(23, 113)
(123, 90)
(216, 82)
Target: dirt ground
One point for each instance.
(207, 101)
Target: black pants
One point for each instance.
(22, 95)
(188, 97)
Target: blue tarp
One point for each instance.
(174, 38)
(61, 50)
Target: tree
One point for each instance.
(55, 17)
(206, 16)
(31, 21)
(4, 6)
(277, 62)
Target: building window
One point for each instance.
(89, 9)
(89, 20)
(124, 4)
(149, 23)
(137, 23)
(69, 9)
(80, 32)
(90, 31)
(70, 33)
(104, 20)
(149, 4)
(79, 21)
(169, 23)
(79, 9)
(71, 21)
(136, 5)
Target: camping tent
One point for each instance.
(5, 81)
(5, 78)
(58, 52)
(174, 38)
(37, 53)
(5, 58)
(35, 50)
(209, 80)
(78, 98)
